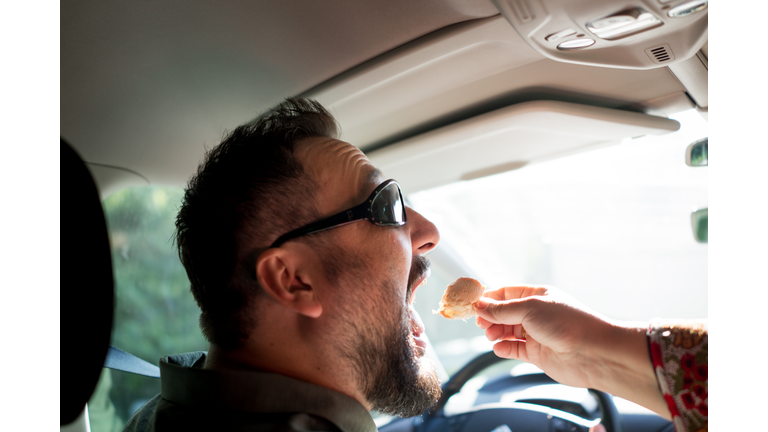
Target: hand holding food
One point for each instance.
(459, 298)
(570, 343)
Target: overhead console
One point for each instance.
(640, 34)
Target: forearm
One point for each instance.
(623, 366)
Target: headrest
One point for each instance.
(86, 285)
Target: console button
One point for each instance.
(687, 8)
(559, 35)
(576, 44)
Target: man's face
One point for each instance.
(374, 271)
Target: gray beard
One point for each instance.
(395, 381)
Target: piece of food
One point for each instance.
(459, 297)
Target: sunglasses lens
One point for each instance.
(387, 207)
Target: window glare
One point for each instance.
(610, 226)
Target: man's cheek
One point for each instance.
(393, 260)
(395, 240)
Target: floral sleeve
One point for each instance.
(679, 355)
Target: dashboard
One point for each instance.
(491, 394)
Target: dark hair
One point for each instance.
(243, 196)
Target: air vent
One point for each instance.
(660, 54)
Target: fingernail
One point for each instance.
(481, 304)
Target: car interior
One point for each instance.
(551, 142)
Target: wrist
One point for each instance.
(623, 366)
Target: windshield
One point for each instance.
(611, 227)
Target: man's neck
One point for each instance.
(241, 360)
(229, 360)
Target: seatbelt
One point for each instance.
(118, 359)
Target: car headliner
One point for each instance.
(147, 87)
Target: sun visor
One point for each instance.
(509, 138)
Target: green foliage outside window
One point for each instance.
(155, 313)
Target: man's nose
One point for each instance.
(424, 234)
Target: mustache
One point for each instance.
(419, 269)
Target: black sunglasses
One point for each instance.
(385, 207)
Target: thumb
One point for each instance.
(509, 312)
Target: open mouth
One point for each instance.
(417, 326)
(417, 331)
(417, 285)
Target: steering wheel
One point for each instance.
(526, 416)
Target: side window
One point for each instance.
(155, 313)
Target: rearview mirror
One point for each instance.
(696, 153)
(700, 225)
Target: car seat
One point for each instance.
(87, 286)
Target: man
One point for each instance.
(304, 261)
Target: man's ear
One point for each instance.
(280, 274)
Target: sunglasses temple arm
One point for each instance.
(346, 217)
